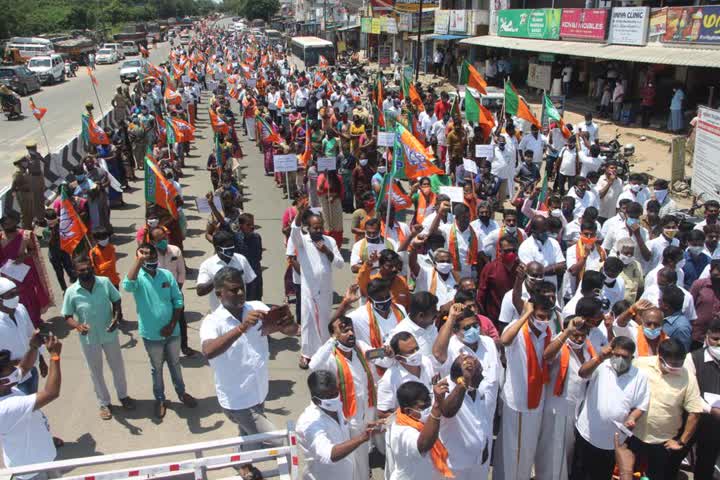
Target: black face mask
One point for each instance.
(86, 277)
(316, 236)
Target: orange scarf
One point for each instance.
(422, 206)
(537, 375)
(472, 205)
(643, 347)
(438, 453)
(455, 251)
(347, 385)
(565, 363)
(398, 228)
(580, 253)
(375, 334)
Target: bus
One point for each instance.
(28, 47)
(305, 51)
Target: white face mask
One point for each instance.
(152, 223)
(381, 169)
(14, 378)
(713, 351)
(424, 414)
(444, 267)
(660, 195)
(414, 360)
(103, 242)
(573, 345)
(540, 324)
(363, 162)
(342, 347)
(626, 259)
(557, 213)
(330, 404)
(11, 302)
(635, 188)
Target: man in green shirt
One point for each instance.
(159, 304)
(92, 307)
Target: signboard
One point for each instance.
(539, 76)
(706, 158)
(428, 21)
(526, 23)
(629, 25)
(390, 26)
(326, 163)
(366, 24)
(470, 166)
(495, 7)
(485, 151)
(384, 55)
(442, 22)
(658, 24)
(285, 163)
(458, 21)
(692, 25)
(455, 193)
(411, 6)
(583, 23)
(381, 7)
(376, 26)
(404, 22)
(386, 139)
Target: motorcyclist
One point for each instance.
(9, 99)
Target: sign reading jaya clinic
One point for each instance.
(629, 25)
(583, 23)
(528, 23)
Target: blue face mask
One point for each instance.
(652, 333)
(631, 221)
(541, 237)
(471, 335)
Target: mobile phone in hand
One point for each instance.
(375, 353)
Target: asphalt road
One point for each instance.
(64, 103)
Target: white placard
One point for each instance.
(185, 79)
(16, 271)
(251, 82)
(203, 206)
(386, 139)
(326, 163)
(706, 159)
(470, 166)
(629, 25)
(712, 399)
(487, 151)
(455, 193)
(285, 163)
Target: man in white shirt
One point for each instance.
(460, 240)
(24, 429)
(324, 434)
(503, 166)
(668, 276)
(344, 355)
(234, 340)
(590, 160)
(659, 244)
(436, 275)
(370, 246)
(617, 395)
(542, 249)
(566, 74)
(535, 142)
(420, 321)
(302, 94)
(484, 224)
(225, 256)
(567, 166)
(635, 190)
(618, 97)
(491, 242)
(609, 188)
(629, 228)
(583, 197)
(591, 128)
(373, 321)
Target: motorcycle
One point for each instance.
(71, 69)
(12, 108)
(614, 151)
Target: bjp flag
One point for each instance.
(96, 135)
(158, 189)
(72, 229)
(38, 112)
(218, 124)
(184, 132)
(172, 97)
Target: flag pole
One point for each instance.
(97, 98)
(388, 190)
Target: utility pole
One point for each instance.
(419, 44)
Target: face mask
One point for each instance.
(631, 221)
(695, 250)
(610, 282)
(652, 333)
(330, 404)
(557, 213)
(372, 238)
(87, 276)
(13, 378)
(316, 236)
(660, 195)
(162, 244)
(471, 335)
(713, 351)
(540, 324)
(11, 302)
(509, 257)
(226, 252)
(620, 364)
(541, 237)
(153, 222)
(510, 230)
(626, 259)
(80, 178)
(382, 305)
(363, 162)
(501, 146)
(150, 266)
(635, 188)
(424, 414)
(573, 345)
(671, 370)
(382, 169)
(413, 360)
(670, 232)
(342, 347)
(444, 267)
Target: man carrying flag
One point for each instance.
(158, 190)
(72, 230)
(516, 105)
(477, 114)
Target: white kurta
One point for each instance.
(316, 282)
(318, 433)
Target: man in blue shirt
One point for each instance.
(695, 259)
(159, 305)
(675, 325)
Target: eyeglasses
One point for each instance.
(468, 327)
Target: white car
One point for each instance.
(130, 48)
(131, 70)
(118, 49)
(106, 55)
(49, 68)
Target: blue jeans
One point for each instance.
(30, 386)
(161, 351)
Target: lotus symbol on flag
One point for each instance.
(414, 157)
(66, 225)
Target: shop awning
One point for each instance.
(654, 53)
(448, 37)
(423, 38)
(350, 27)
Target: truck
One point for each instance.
(76, 49)
(136, 32)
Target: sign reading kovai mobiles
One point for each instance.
(583, 23)
(693, 24)
(526, 23)
(629, 25)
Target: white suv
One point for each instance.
(49, 68)
(118, 49)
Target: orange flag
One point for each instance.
(172, 97)
(92, 76)
(96, 134)
(305, 157)
(184, 132)
(218, 124)
(37, 111)
(158, 189)
(72, 229)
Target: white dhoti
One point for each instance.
(315, 313)
(555, 450)
(250, 124)
(517, 444)
(361, 455)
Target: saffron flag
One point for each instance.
(280, 104)
(475, 112)
(172, 97)
(265, 127)
(379, 102)
(472, 78)
(72, 230)
(184, 132)
(96, 135)
(399, 199)
(218, 124)
(410, 92)
(38, 112)
(161, 129)
(306, 156)
(415, 161)
(517, 106)
(178, 71)
(158, 189)
(543, 196)
(92, 76)
(323, 62)
(553, 114)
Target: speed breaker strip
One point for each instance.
(285, 456)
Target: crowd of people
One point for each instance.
(553, 319)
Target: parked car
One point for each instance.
(50, 69)
(118, 49)
(19, 78)
(130, 48)
(106, 55)
(131, 70)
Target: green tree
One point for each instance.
(263, 9)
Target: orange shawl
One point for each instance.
(643, 347)
(565, 363)
(438, 453)
(537, 375)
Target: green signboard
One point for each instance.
(530, 23)
(366, 24)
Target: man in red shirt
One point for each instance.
(442, 106)
(497, 278)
